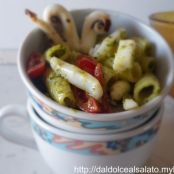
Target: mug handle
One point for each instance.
(5, 132)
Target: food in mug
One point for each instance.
(98, 72)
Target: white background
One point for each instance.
(14, 24)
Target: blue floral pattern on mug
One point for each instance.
(96, 148)
(91, 124)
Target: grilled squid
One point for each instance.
(45, 27)
(95, 23)
(77, 77)
(62, 20)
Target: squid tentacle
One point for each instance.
(60, 18)
(95, 23)
(45, 27)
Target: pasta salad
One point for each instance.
(96, 72)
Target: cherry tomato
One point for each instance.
(80, 94)
(36, 65)
(105, 104)
(85, 102)
(86, 63)
(92, 106)
(91, 66)
(98, 73)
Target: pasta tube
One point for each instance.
(146, 89)
(108, 62)
(143, 47)
(108, 73)
(73, 57)
(129, 104)
(77, 77)
(147, 64)
(132, 75)
(125, 56)
(108, 46)
(59, 51)
(119, 90)
(59, 89)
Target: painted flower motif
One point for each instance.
(41, 104)
(112, 145)
(124, 144)
(47, 136)
(103, 148)
(95, 148)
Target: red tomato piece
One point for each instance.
(36, 65)
(105, 104)
(85, 102)
(91, 66)
(98, 73)
(80, 94)
(92, 106)
(86, 63)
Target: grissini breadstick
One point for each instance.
(44, 26)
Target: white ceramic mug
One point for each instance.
(165, 72)
(63, 150)
(119, 125)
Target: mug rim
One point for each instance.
(55, 122)
(154, 17)
(91, 137)
(99, 116)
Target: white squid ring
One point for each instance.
(95, 23)
(69, 28)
